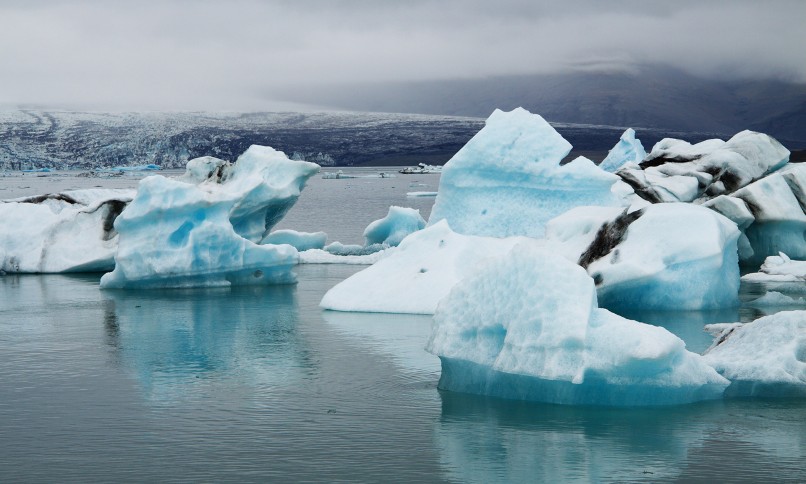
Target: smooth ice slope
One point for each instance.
(526, 326)
(419, 273)
(70, 231)
(664, 256)
(392, 229)
(764, 358)
(627, 150)
(507, 180)
(186, 232)
(299, 240)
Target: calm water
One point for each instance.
(259, 384)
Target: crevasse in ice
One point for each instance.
(203, 229)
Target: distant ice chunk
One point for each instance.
(775, 299)
(299, 240)
(348, 250)
(193, 232)
(764, 358)
(318, 256)
(417, 275)
(779, 268)
(71, 231)
(664, 256)
(392, 229)
(526, 326)
(628, 150)
(507, 180)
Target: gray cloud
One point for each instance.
(228, 54)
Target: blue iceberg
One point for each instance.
(527, 326)
(202, 229)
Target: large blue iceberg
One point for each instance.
(527, 326)
(202, 229)
(507, 180)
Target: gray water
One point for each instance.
(259, 384)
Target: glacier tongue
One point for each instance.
(201, 229)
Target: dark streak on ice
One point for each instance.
(610, 234)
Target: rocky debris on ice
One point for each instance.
(71, 231)
(526, 325)
(507, 180)
(764, 358)
(676, 171)
(628, 150)
(663, 256)
(202, 229)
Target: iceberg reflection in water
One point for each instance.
(260, 384)
(172, 339)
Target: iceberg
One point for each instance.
(628, 150)
(676, 171)
(299, 240)
(202, 229)
(664, 256)
(420, 272)
(507, 180)
(526, 326)
(393, 228)
(350, 250)
(764, 358)
(779, 268)
(71, 231)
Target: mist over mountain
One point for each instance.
(651, 96)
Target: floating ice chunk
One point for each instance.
(417, 275)
(393, 228)
(764, 358)
(776, 299)
(178, 234)
(779, 268)
(299, 240)
(70, 231)
(664, 256)
(677, 171)
(421, 194)
(507, 180)
(627, 150)
(344, 250)
(317, 256)
(526, 326)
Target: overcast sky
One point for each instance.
(184, 54)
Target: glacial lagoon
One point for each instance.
(260, 384)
